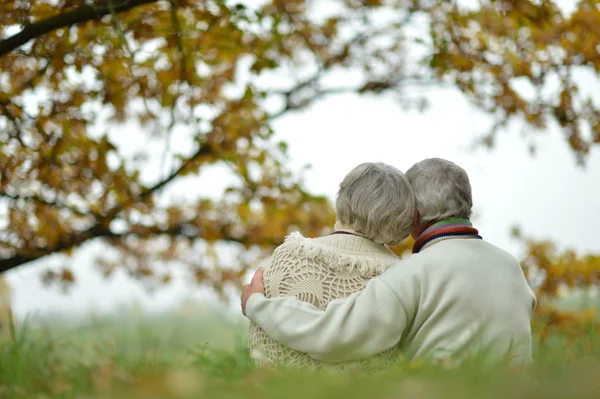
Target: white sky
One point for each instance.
(548, 195)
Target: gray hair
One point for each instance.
(442, 190)
(377, 201)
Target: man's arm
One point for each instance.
(354, 328)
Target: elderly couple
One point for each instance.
(345, 301)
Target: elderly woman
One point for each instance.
(375, 209)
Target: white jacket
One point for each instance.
(456, 298)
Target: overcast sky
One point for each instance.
(548, 195)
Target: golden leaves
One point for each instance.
(558, 272)
(63, 277)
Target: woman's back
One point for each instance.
(318, 271)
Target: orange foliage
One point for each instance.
(557, 272)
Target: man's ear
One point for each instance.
(416, 229)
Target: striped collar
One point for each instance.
(448, 228)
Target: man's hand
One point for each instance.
(256, 286)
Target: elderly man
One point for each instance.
(456, 297)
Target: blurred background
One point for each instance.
(154, 153)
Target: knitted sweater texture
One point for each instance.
(318, 271)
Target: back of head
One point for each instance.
(442, 190)
(377, 201)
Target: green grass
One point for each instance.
(202, 355)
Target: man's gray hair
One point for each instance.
(442, 190)
(377, 201)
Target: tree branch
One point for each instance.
(369, 87)
(98, 230)
(177, 32)
(15, 122)
(43, 201)
(12, 262)
(76, 16)
(178, 230)
(74, 240)
(188, 230)
(202, 151)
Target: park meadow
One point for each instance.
(202, 353)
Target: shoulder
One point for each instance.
(296, 247)
(501, 253)
(337, 253)
(293, 243)
(469, 250)
(405, 271)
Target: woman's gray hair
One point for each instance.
(377, 201)
(442, 190)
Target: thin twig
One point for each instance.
(15, 122)
(40, 200)
(177, 32)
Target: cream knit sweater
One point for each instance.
(454, 299)
(317, 271)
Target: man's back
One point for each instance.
(472, 297)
